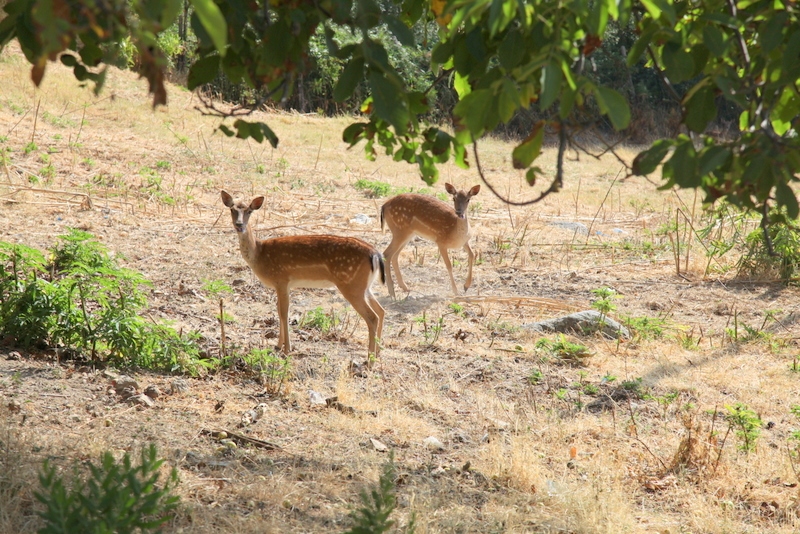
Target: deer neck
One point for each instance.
(249, 246)
(462, 223)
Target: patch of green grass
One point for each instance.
(216, 288)
(564, 350)
(55, 120)
(375, 189)
(319, 320)
(645, 328)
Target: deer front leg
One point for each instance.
(283, 317)
(446, 259)
(471, 255)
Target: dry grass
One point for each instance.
(539, 460)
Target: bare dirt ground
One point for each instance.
(519, 455)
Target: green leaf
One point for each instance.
(475, 110)
(567, 102)
(213, 22)
(551, 85)
(786, 197)
(170, 12)
(598, 18)
(791, 54)
(785, 110)
(646, 162)
(744, 121)
(683, 165)
(501, 13)
(699, 108)
(511, 50)
(713, 158)
(461, 85)
(530, 175)
(257, 130)
(388, 99)
(69, 60)
(771, 31)
(351, 75)
(641, 44)
(715, 40)
(203, 71)
(400, 30)
(678, 63)
(442, 52)
(614, 105)
(508, 101)
(529, 149)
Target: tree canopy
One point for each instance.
(500, 56)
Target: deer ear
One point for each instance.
(475, 190)
(256, 203)
(226, 198)
(450, 189)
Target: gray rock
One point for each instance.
(581, 322)
(572, 226)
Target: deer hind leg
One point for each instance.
(471, 255)
(446, 259)
(378, 309)
(370, 309)
(391, 254)
(283, 318)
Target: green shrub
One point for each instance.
(373, 189)
(84, 303)
(377, 505)
(320, 320)
(785, 263)
(745, 423)
(112, 498)
(563, 349)
(274, 368)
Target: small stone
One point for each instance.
(141, 400)
(14, 355)
(433, 444)
(378, 446)
(123, 383)
(152, 391)
(439, 471)
(316, 398)
(179, 385)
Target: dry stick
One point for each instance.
(691, 226)
(677, 250)
(791, 462)
(222, 329)
(86, 198)
(80, 128)
(695, 233)
(35, 119)
(19, 121)
(589, 233)
(319, 151)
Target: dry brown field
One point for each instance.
(626, 440)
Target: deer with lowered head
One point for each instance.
(283, 263)
(411, 214)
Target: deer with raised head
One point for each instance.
(411, 214)
(282, 263)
